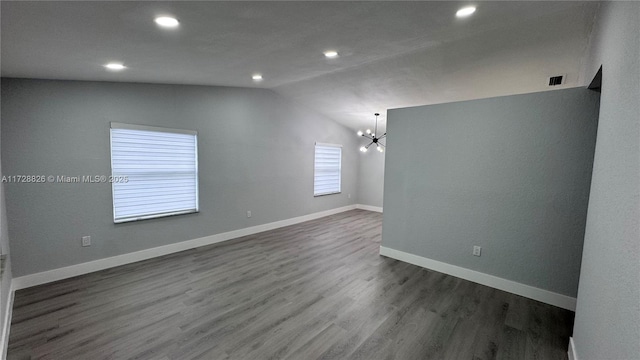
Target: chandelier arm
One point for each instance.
(373, 138)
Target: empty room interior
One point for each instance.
(320, 180)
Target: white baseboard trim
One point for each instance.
(4, 340)
(573, 355)
(44, 277)
(369, 207)
(545, 296)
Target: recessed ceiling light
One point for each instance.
(167, 22)
(331, 54)
(257, 77)
(115, 66)
(466, 11)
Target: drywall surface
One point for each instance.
(371, 177)
(510, 174)
(255, 152)
(607, 324)
(6, 273)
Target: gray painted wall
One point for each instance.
(607, 324)
(6, 277)
(256, 153)
(510, 174)
(371, 177)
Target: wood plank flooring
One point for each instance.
(316, 290)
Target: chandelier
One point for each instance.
(372, 136)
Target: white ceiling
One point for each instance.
(392, 54)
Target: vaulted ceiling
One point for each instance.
(391, 54)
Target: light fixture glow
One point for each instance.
(257, 77)
(331, 54)
(372, 137)
(167, 22)
(115, 66)
(466, 11)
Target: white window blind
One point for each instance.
(327, 169)
(161, 169)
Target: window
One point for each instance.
(327, 169)
(154, 172)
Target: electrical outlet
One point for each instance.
(349, 196)
(476, 250)
(86, 241)
(248, 214)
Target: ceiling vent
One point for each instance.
(556, 80)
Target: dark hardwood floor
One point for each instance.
(316, 290)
